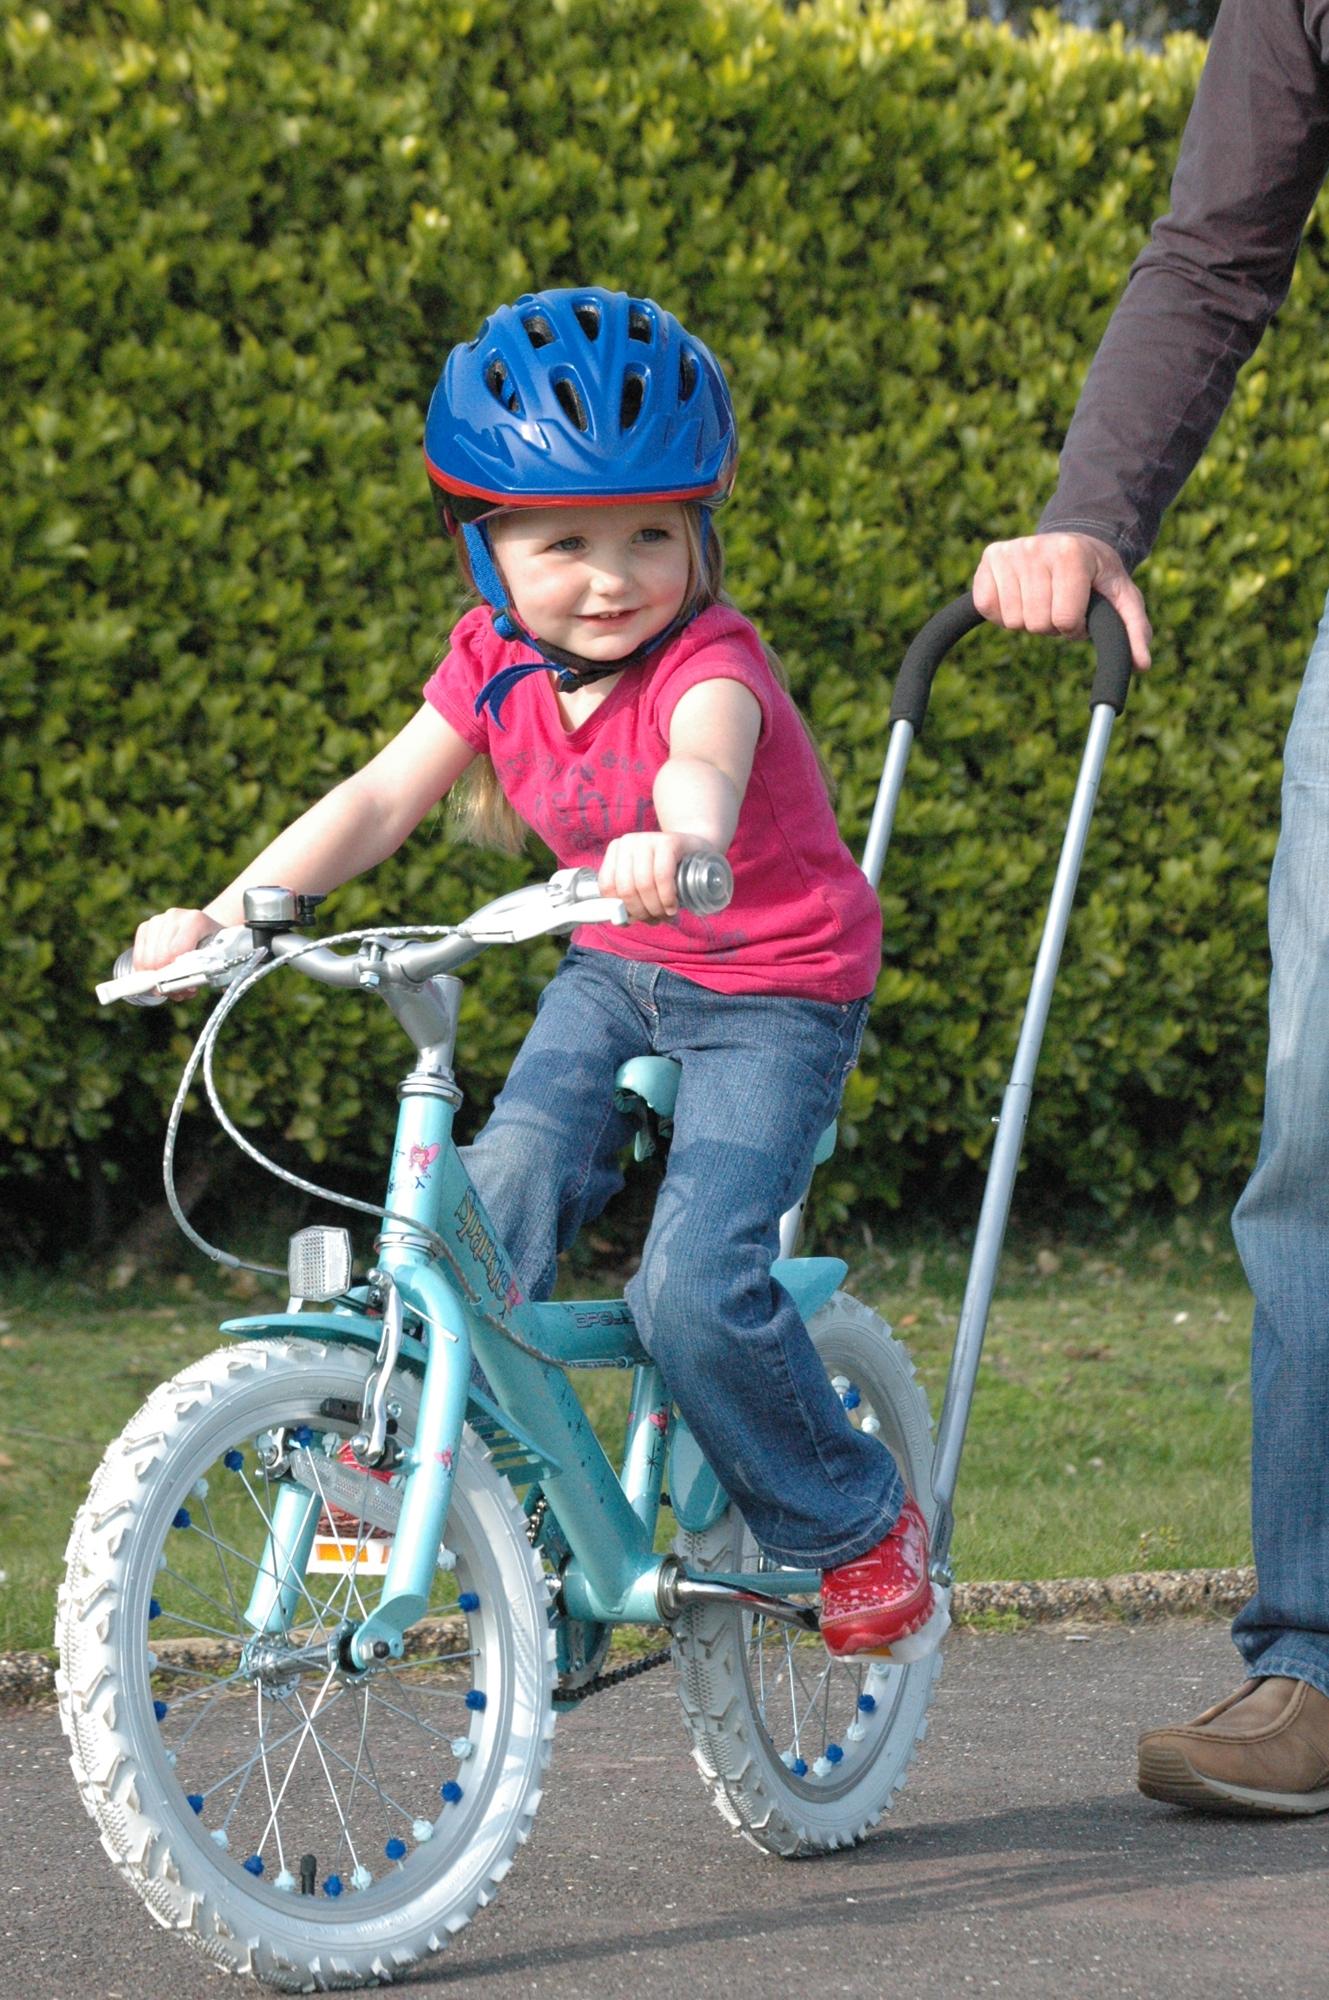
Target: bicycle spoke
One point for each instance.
(221, 1562)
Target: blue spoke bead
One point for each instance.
(234, 1461)
(451, 1792)
(154, 1609)
(332, 1887)
(834, 1754)
(476, 1699)
(194, 1801)
(395, 1849)
(160, 1710)
(254, 1865)
(799, 1767)
(468, 1601)
(851, 1398)
(867, 1703)
(182, 1518)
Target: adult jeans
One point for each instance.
(761, 1077)
(1281, 1226)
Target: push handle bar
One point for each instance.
(913, 683)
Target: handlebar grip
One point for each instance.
(945, 629)
(137, 988)
(705, 884)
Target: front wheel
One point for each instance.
(803, 1752)
(294, 1819)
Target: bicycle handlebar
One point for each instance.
(945, 629)
(705, 884)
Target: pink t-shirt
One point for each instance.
(803, 920)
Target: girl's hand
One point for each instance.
(163, 938)
(642, 868)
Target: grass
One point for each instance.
(1110, 1428)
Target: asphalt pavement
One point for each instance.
(1019, 1861)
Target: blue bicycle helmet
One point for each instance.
(579, 397)
(582, 397)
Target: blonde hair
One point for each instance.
(479, 807)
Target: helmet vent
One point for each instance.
(587, 317)
(634, 395)
(572, 405)
(538, 330)
(687, 375)
(496, 381)
(639, 325)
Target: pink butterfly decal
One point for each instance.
(425, 1156)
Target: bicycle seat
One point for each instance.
(646, 1087)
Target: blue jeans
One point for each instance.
(761, 1079)
(1281, 1225)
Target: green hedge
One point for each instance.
(237, 241)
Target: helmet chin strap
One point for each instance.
(572, 670)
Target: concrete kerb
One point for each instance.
(1145, 1594)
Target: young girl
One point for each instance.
(629, 715)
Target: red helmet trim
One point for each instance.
(505, 500)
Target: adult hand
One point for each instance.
(1041, 583)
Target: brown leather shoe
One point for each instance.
(1263, 1750)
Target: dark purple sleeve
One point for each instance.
(1216, 269)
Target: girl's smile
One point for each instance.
(597, 581)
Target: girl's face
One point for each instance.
(597, 581)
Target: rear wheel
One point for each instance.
(292, 1818)
(803, 1752)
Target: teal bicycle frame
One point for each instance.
(535, 1424)
(614, 1576)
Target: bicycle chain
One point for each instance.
(571, 1697)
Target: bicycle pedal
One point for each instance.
(921, 1644)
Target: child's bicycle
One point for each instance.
(327, 1593)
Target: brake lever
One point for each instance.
(217, 963)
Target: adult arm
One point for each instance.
(1216, 269)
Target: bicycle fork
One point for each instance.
(428, 1466)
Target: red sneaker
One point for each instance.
(867, 1604)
